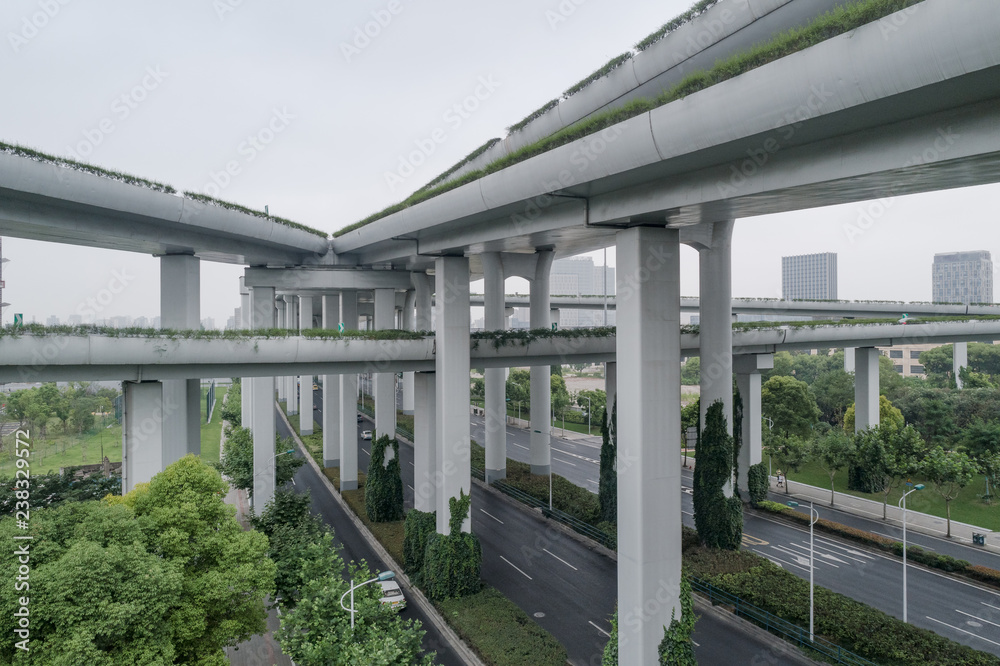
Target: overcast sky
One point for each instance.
(185, 86)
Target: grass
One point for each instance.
(211, 433)
(966, 508)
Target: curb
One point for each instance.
(464, 651)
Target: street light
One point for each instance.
(385, 575)
(902, 505)
(813, 519)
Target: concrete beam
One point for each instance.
(325, 279)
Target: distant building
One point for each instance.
(962, 277)
(208, 323)
(809, 276)
(52, 321)
(580, 277)
(75, 320)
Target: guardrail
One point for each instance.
(790, 632)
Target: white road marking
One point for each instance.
(593, 482)
(409, 486)
(515, 566)
(519, 446)
(962, 630)
(410, 464)
(577, 455)
(696, 643)
(558, 558)
(977, 618)
(564, 462)
(492, 516)
(990, 605)
(818, 557)
(687, 513)
(599, 629)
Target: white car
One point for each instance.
(366, 434)
(392, 595)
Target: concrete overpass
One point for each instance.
(904, 105)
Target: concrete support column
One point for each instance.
(423, 289)
(747, 368)
(143, 451)
(541, 384)
(331, 391)
(848, 359)
(244, 323)
(959, 360)
(385, 382)
(424, 442)
(262, 304)
(453, 456)
(716, 327)
(180, 309)
(496, 391)
(409, 318)
(649, 429)
(349, 402)
(610, 387)
(865, 388)
(292, 324)
(305, 382)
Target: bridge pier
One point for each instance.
(452, 366)
(282, 322)
(331, 391)
(305, 382)
(349, 401)
(649, 469)
(385, 382)
(408, 320)
(263, 307)
(866, 414)
(716, 329)
(180, 309)
(610, 388)
(959, 360)
(292, 324)
(424, 442)
(747, 368)
(496, 391)
(144, 454)
(541, 383)
(246, 413)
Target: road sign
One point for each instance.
(18, 319)
(340, 327)
(555, 326)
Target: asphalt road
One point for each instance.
(961, 611)
(568, 588)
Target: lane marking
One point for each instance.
(516, 567)
(593, 482)
(492, 516)
(409, 486)
(558, 558)
(990, 605)
(977, 618)
(410, 464)
(564, 462)
(687, 513)
(818, 558)
(519, 446)
(749, 540)
(962, 630)
(599, 629)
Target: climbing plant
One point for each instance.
(384, 486)
(718, 519)
(452, 562)
(608, 481)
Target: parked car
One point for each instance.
(392, 595)
(360, 418)
(366, 434)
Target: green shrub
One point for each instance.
(676, 648)
(719, 519)
(453, 562)
(757, 483)
(384, 490)
(608, 486)
(417, 529)
(232, 411)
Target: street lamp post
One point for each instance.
(902, 505)
(813, 519)
(385, 575)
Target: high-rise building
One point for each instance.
(962, 277)
(809, 276)
(580, 277)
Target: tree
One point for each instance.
(949, 471)
(884, 457)
(981, 438)
(972, 379)
(607, 492)
(886, 414)
(519, 386)
(834, 391)
(560, 396)
(789, 451)
(691, 371)
(989, 464)
(790, 404)
(833, 452)
(718, 519)
(237, 459)
(598, 400)
(478, 389)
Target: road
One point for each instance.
(963, 612)
(569, 589)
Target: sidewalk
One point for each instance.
(915, 521)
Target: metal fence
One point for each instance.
(210, 402)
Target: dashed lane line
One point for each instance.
(492, 516)
(598, 628)
(951, 626)
(559, 558)
(516, 567)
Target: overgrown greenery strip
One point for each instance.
(465, 160)
(675, 23)
(537, 113)
(605, 69)
(913, 553)
(500, 632)
(38, 156)
(40, 330)
(852, 625)
(838, 21)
